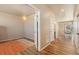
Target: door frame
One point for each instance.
(37, 30)
(36, 27)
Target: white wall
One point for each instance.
(14, 25)
(53, 27)
(47, 22)
(29, 27)
(75, 38)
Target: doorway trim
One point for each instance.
(36, 27)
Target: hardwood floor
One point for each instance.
(61, 47)
(13, 47)
(30, 51)
(24, 47)
(58, 47)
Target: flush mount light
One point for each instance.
(24, 18)
(62, 10)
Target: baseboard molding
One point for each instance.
(29, 39)
(10, 40)
(44, 47)
(6, 40)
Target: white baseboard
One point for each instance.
(10, 39)
(44, 47)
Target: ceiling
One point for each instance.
(57, 7)
(22, 9)
(60, 11)
(16, 9)
(43, 7)
(76, 10)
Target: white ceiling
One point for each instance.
(61, 15)
(16, 9)
(54, 7)
(22, 9)
(76, 10)
(43, 7)
(56, 10)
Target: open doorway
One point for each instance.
(65, 30)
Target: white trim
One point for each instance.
(44, 47)
(37, 13)
(11, 39)
(35, 30)
(38, 20)
(37, 38)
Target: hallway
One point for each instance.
(61, 47)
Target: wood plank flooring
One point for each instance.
(24, 47)
(13, 47)
(58, 47)
(61, 47)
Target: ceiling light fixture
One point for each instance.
(24, 18)
(62, 10)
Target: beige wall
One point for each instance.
(29, 27)
(44, 28)
(13, 25)
(44, 22)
